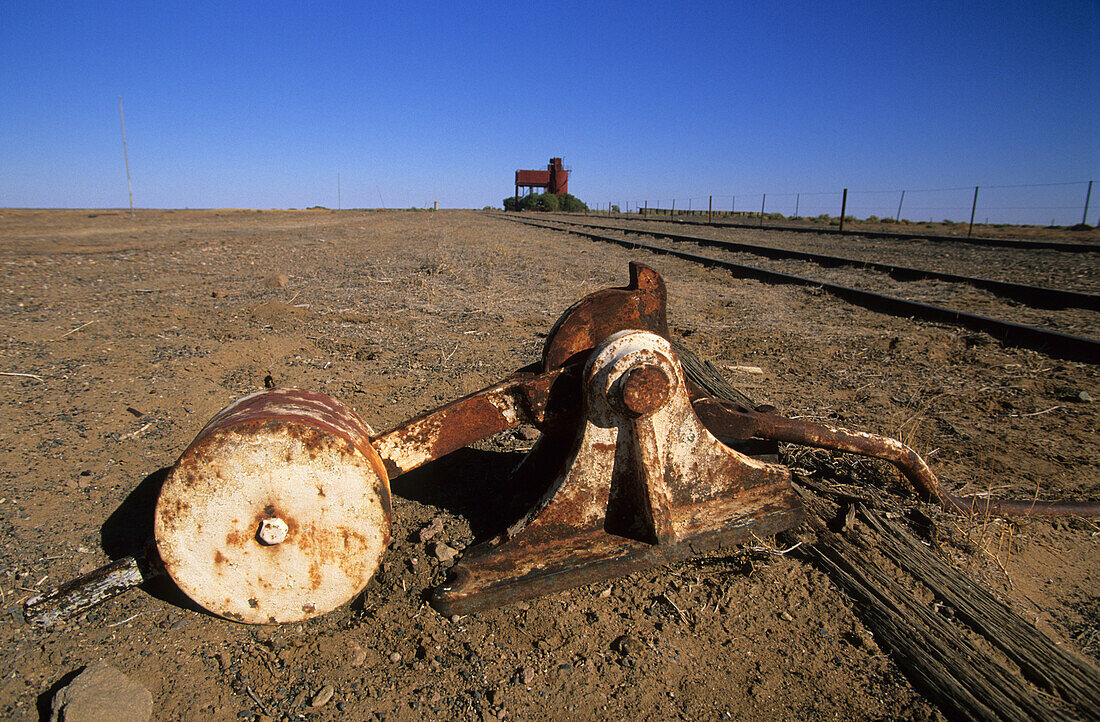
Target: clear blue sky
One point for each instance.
(240, 104)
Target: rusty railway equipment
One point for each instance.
(1053, 343)
(280, 508)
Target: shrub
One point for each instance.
(571, 204)
(548, 202)
(545, 202)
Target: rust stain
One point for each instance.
(315, 575)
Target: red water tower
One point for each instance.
(555, 179)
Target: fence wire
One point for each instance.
(1041, 204)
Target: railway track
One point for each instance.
(1035, 296)
(1010, 333)
(977, 241)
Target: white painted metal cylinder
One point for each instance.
(278, 511)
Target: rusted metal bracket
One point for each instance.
(644, 483)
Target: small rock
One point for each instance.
(395, 657)
(528, 675)
(101, 693)
(527, 433)
(444, 552)
(321, 698)
(1084, 396)
(787, 616)
(605, 593)
(358, 657)
(279, 280)
(431, 530)
(224, 660)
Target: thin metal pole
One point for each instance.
(900, 201)
(973, 208)
(843, 208)
(672, 211)
(797, 197)
(1088, 195)
(733, 206)
(645, 209)
(763, 200)
(710, 210)
(126, 157)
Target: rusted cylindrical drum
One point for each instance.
(278, 511)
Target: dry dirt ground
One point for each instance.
(121, 337)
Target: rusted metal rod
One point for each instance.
(738, 421)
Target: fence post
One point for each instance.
(973, 207)
(763, 200)
(797, 197)
(672, 211)
(710, 210)
(843, 208)
(900, 201)
(645, 209)
(1088, 195)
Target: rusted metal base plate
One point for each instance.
(279, 511)
(486, 577)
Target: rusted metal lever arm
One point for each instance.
(526, 397)
(737, 421)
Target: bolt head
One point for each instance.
(644, 389)
(272, 531)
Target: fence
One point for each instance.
(1055, 204)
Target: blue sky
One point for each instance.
(239, 104)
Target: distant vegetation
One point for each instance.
(545, 202)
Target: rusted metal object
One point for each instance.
(736, 421)
(639, 306)
(523, 398)
(280, 508)
(645, 483)
(278, 511)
